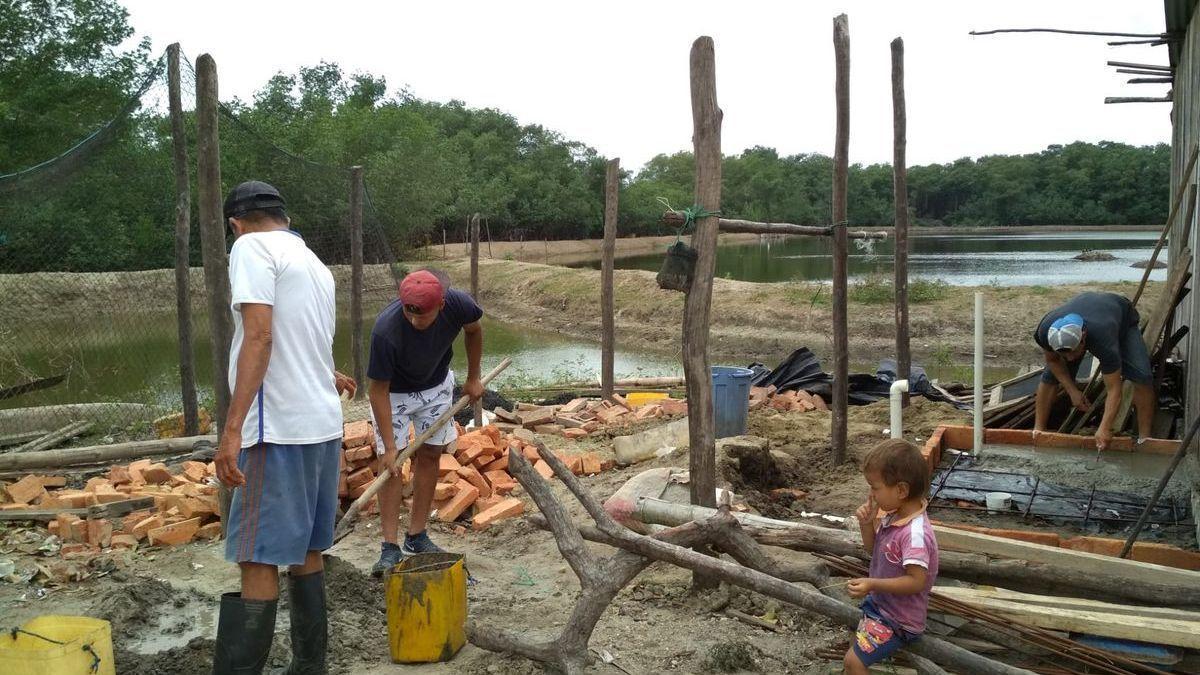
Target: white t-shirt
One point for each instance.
(297, 404)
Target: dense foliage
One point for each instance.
(430, 165)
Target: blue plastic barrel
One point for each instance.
(731, 400)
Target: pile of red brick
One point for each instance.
(785, 401)
(184, 506)
(583, 416)
(473, 480)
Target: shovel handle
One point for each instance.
(346, 523)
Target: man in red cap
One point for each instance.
(411, 383)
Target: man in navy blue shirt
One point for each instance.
(411, 383)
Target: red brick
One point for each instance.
(69, 528)
(359, 453)
(1162, 554)
(444, 491)
(118, 475)
(475, 478)
(611, 415)
(209, 531)
(109, 496)
(355, 434)
(484, 503)
(958, 437)
(124, 541)
(195, 472)
(192, 507)
(509, 508)
(136, 468)
(470, 453)
(77, 499)
(788, 494)
(499, 480)
(54, 481)
(77, 551)
(156, 473)
(176, 534)
(99, 532)
(26, 490)
(574, 463)
(131, 520)
(447, 464)
(576, 405)
(591, 464)
(467, 494)
(574, 434)
(359, 478)
(1031, 536)
(143, 527)
(543, 468)
(1007, 436)
(343, 486)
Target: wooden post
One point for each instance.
(183, 226)
(900, 189)
(212, 231)
(444, 253)
(488, 226)
(841, 150)
(356, 277)
(212, 246)
(706, 139)
(612, 181)
(474, 232)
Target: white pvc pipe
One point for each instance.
(898, 389)
(978, 436)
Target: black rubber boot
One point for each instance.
(244, 632)
(310, 624)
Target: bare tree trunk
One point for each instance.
(356, 277)
(841, 151)
(183, 226)
(706, 137)
(612, 181)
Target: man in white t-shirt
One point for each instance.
(282, 438)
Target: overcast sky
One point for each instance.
(615, 74)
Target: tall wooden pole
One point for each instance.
(841, 151)
(474, 230)
(212, 246)
(212, 231)
(900, 190)
(356, 275)
(706, 139)
(612, 181)
(183, 226)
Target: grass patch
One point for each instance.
(877, 290)
(730, 657)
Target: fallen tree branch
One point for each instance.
(55, 459)
(726, 534)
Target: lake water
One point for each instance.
(958, 259)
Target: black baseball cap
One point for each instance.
(252, 195)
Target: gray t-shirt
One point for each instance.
(1105, 317)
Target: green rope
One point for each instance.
(690, 215)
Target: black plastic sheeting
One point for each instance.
(802, 371)
(1057, 503)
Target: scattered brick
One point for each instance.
(591, 464)
(467, 494)
(118, 475)
(356, 434)
(509, 508)
(209, 531)
(143, 528)
(475, 478)
(447, 464)
(175, 534)
(120, 541)
(156, 473)
(360, 478)
(99, 532)
(544, 469)
(195, 472)
(360, 453)
(26, 490)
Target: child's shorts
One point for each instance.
(877, 638)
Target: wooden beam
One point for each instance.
(752, 227)
(900, 201)
(96, 454)
(612, 182)
(706, 140)
(109, 510)
(356, 280)
(1150, 80)
(1135, 71)
(1122, 626)
(1139, 66)
(55, 437)
(183, 228)
(1068, 32)
(841, 150)
(1137, 99)
(992, 593)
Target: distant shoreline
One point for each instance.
(580, 251)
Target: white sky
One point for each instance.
(615, 74)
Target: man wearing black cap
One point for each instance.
(281, 442)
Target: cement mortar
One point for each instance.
(1136, 474)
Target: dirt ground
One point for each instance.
(163, 602)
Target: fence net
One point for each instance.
(88, 322)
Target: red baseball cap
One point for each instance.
(421, 289)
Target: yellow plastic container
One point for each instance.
(58, 645)
(427, 608)
(637, 398)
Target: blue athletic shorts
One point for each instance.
(876, 637)
(287, 506)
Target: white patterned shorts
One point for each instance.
(420, 409)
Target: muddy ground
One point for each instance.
(163, 602)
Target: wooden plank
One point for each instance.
(1156, 631)
(985, 594)
(110, 510)
(94, 454)
(973, 542)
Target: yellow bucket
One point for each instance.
(58, 645)
(427, 608)
(637, 398)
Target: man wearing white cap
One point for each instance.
(1105, 324)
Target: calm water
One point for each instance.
(961, 260)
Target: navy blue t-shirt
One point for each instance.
(415, 360)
